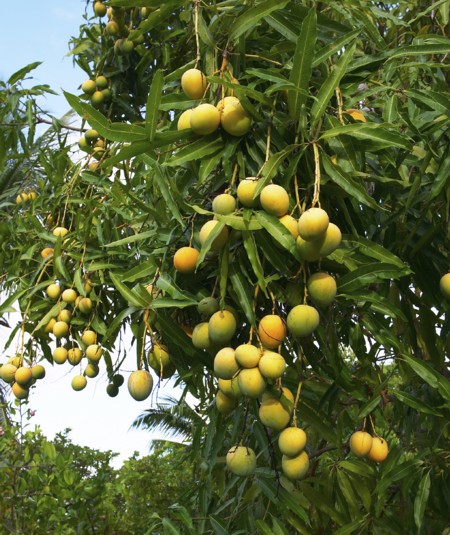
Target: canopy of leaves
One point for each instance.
(350, 111)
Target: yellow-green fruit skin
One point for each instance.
(159, 361)
(74, 355)
(79, 382)
(225, 404)
(273, 414)
(19, 391)
(53, 290)
(222, 326)
(360, 443)
(271, 365)
(234, 119)
(85, 305)
(91, 370)
(89, 337)
(295, 467)
(88, 86)
(330, 241)
(59, 355)
(208, 306)
(94, 352)
(291, 224)
(308, 250)
(247, 355)
(229, 387)
(274, 200)
(7, 372)
(302, 320)
(272, 331)
(322, 288)
(140, 384)
(241, 461)
(313, 223)
(379, 450)
(200, 336)
(444, 285)
(224, 204)
(219, 241)
(23, 376)
(245, 192)
(69, 295)
(38, 371)
(251, 383)
(193, 83)
(205, 119)
(292, 441)
(184, 121)
(225, 101)
(60, 232)
(60, 329)
(225, 365)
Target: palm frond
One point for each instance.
(173, 418)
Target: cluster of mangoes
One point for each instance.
(206, 118)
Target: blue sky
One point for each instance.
(40, 31)
(42, 34)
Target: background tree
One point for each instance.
(349, 112)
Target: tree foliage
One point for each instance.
(350, 112)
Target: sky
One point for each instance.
(96, 420)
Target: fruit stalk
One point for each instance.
(316, 197)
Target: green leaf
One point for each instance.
(438, 102)
(52, 313)
(418, 50)
(132, 239)
(216, 230)
(348, 184)
(142, 270)
(162, 180)
(252, 16)
(390, 110)
(218, 525)
(397, 473)
(127, 152)
(335, 46)
(153, 101)
(166, 302)
(351, 528)
(264, 528)
(359, 468)
(21, 73)
(368, 274)
(132, 298)
(195, 151)
(253, 256)
(117, 322)
(421, 500)
(111, 131)
(166, 284)
(169, 527)
(270, 168)
(278, 231)
(369, 407)
(414, 403)
(243, 291)
(302, 64)
(441, 178)
(429, 375)
(372, 250)
(372, 131)
(328, 87)
(239, 223)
